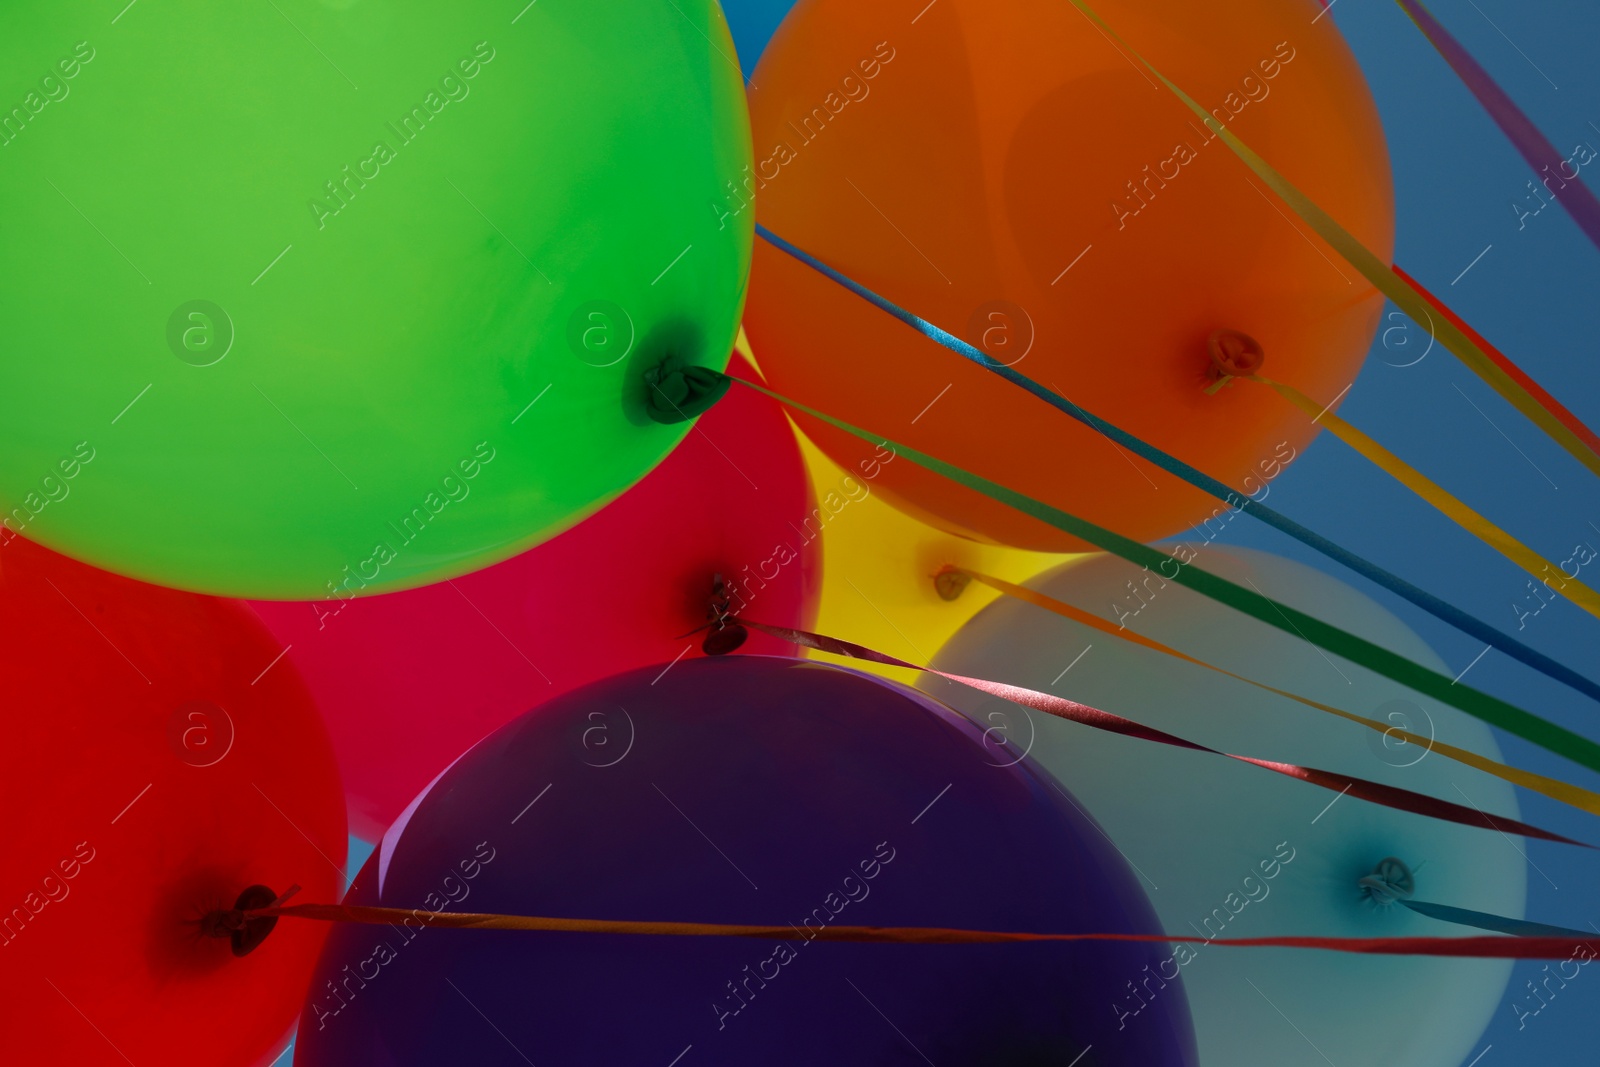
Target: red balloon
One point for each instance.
(157, 761)
(410, 680)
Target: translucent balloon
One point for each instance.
(1239, 852)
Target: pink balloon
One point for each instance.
(408, 681)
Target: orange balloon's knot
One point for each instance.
(1233, 355)
(676, 392)
(1390, 880)
(951, 582)
(243, 929)
(726, 632)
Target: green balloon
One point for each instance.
(302, 300)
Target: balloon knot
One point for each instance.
(726, 632)
(245, 932)
(1390, 880)
(951, 582)
(1233, 355)
(678, 393)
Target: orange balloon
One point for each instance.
(1002, 169)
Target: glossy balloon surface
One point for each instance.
(408, 681)
(158, 760)
(1240, 852)
(353, 296)
(999, 168)
(880, 565)
(743, 789)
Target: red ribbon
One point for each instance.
(1492, 947)
(1387, 795)
(1533, 388)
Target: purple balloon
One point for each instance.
(747, 789)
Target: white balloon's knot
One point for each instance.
(1389, 882)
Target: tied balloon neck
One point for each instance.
(724, 632)
(1391, 881)
(676, 391)
(1233, 355)
(951, 582)
(244, 930)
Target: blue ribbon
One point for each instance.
(1434, 606)
(1497, 923)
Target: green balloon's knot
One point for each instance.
(677, 393)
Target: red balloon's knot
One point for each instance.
(726, 632)
(245, 931)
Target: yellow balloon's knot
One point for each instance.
(951, 582)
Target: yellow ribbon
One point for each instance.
(1374, 269)
(1463, 516)
(1566, 793)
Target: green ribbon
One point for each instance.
(1330, 638)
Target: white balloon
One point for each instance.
(1230, 850)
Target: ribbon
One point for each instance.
(1529, 948)
(1551, 404)
(1482, 920)
(1572, 795)
(1330, 638)
(1374, 269)
(1463, 516)
(1062, 708)
(1392, 882)
(1436, 607)
(1539, 153)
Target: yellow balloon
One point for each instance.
(878, 566)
